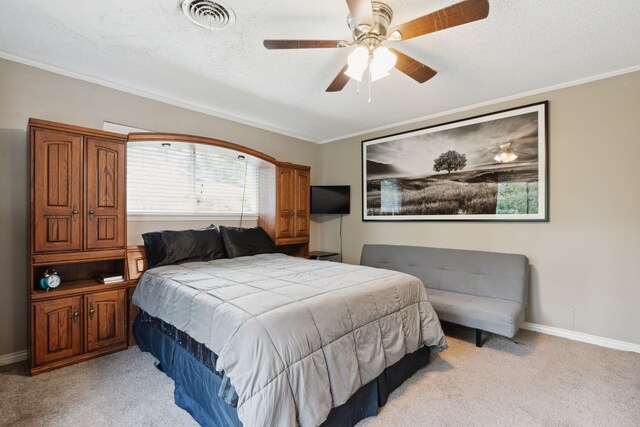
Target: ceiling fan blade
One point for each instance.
(457, 14)
(339, 82)
(302, 44)
(412, 68)
(361, 12)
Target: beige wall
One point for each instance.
(29, 92)
(586, 258)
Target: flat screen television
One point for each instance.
(330, 199)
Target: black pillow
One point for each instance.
(175, 247)
(246, 241)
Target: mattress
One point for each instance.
(294, 337)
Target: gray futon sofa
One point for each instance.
(482, 290)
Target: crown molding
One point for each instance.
(152, 96)
(258, 125)
(490, 103)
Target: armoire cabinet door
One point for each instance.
(302, 203)
(57, 202)
(105, 320)
(105, 196)
(57, 326)
(285, 205)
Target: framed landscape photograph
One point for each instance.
(485, 168)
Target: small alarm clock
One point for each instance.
(50, 280)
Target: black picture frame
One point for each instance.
(490, 167)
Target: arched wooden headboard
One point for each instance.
(176, 137)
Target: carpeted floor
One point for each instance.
(541, 381)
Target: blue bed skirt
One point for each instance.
(196, 385)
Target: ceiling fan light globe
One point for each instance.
(359, 57)
(383, 60)
(358, 61)
(355, 74)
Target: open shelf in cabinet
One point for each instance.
(78, 277)
(77, 287)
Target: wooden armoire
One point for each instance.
(78, 228)
(292, 204)
(284, 206)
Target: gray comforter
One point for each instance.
(295, 337)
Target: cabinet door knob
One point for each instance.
(91, 311)
(75, 312)
(91, 212)
(75, 211)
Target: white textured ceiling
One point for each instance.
(148, 46)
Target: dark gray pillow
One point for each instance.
(246, 241)
(175, 247)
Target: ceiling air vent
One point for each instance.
(213, 15)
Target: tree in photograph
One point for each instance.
(450, 161)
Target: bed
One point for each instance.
(275, 340)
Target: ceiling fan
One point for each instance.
(369, 24)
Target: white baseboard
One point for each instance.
(582, 337)
(18, 356)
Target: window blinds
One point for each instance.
(189, 179)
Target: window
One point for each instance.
(183, 179)
(189, 179)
